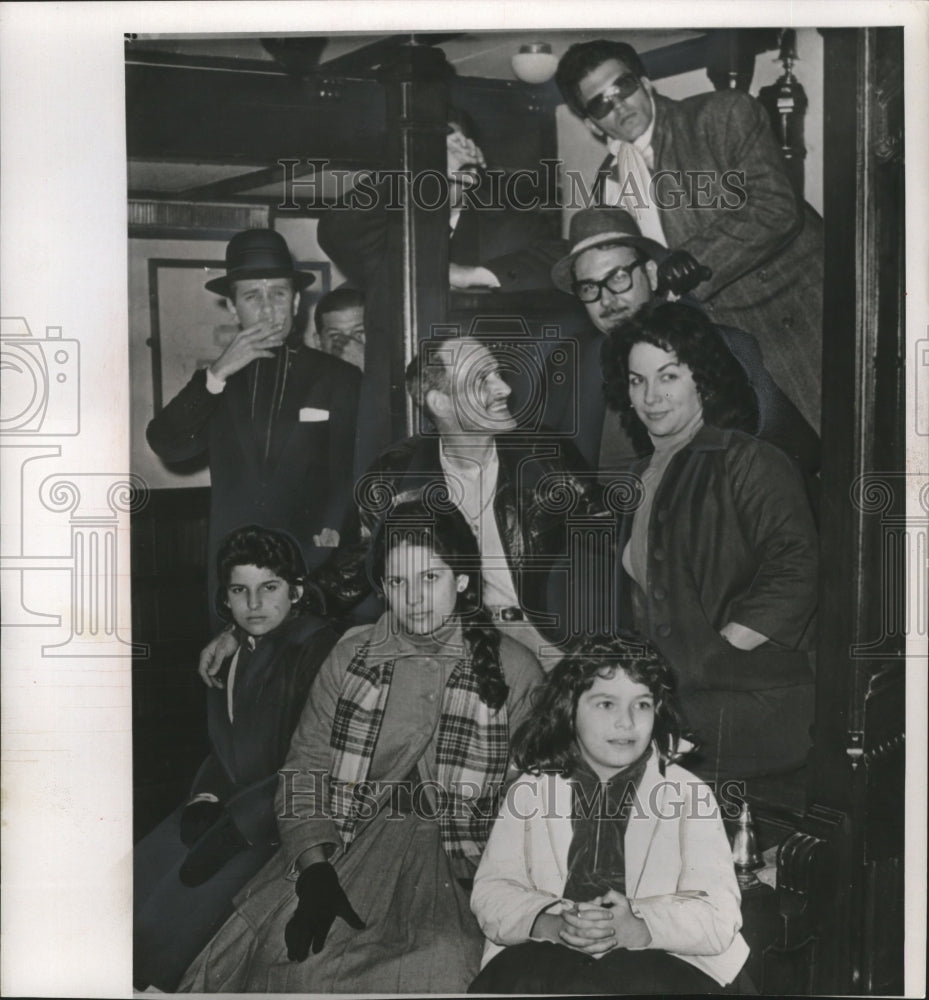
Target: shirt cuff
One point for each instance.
(203, 797)
(214, 385)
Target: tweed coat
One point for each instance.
(765, 248)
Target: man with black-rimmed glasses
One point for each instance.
(614, 271)
(705, 176)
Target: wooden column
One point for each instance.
(839, 875)
(416, 271)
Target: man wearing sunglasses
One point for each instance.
(614, 271)
(705, 175)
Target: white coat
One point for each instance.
(679, 874)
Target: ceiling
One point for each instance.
(284, 64)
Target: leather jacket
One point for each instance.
(540, 488)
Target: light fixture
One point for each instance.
(534, 63)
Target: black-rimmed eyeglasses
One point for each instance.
(618, 280)
(622, 87)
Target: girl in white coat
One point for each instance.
(608, 869)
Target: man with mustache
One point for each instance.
(614, 270)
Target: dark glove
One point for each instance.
(197, 818)
(321, 900)
(217, 846)
(680, 272)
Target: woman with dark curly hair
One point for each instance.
(397, 766)
(718, 564)
(608, 870)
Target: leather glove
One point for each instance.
(217, 846)
(680, 272)
(197, 818)
(321, 900)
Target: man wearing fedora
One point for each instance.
(276, 419)
(705, 175)
(614, 271)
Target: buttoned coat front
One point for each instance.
(679, 874)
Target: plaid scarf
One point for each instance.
(472, 752)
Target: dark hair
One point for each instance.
(546, 740)
(337, 301)
(583, 58)
(727, 395)
(266, 549)
(429, 519)
(465, 124)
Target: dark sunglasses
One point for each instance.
(618, 280)
(622, 87)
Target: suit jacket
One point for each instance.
(516, 246)
(765, 248)
(679, 874)
(270, 688)
(575, 404)
(307, 484)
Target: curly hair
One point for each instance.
(583, 58)
(727, 395)
(433, 522)
(545, 742)
(266, 549)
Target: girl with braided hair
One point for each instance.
(392, 783)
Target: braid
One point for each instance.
(483, 641)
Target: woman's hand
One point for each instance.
(741, 636)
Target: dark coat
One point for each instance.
(538, 486)
(307, 484)
(765, 248)
(517, 246)
(730, 538)
(576, 405)
(172, 922)
(268, 696)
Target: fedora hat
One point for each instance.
(258, 253)
(592, 227)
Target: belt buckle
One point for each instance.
(511, 614)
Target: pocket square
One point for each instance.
(310, 415)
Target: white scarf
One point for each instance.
(629, 185)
